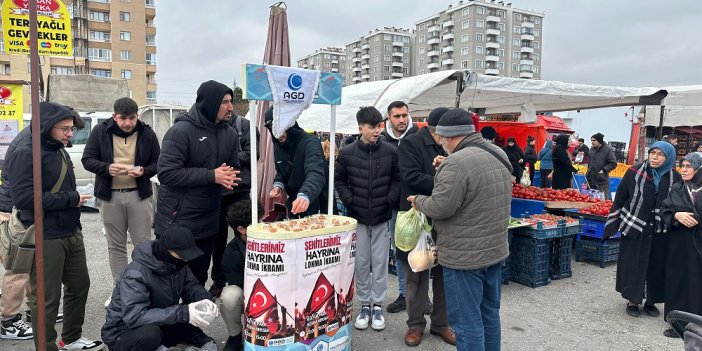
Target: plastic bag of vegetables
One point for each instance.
(424, 255)
(408, 227)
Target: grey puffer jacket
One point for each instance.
(470, 205)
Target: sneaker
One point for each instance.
(378, 319)
(16, 329)
(28, 317)
(398, 305)
(363, 318)
(82, 344)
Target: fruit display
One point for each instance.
(515, 223)
(548, 220)
(598, 209)
(305, 224)
(617, 172)
(548, 194)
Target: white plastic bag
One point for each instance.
(408, 228)
(423, 256)
(525, 177)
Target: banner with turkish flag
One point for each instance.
(322, 292)
(260, 300)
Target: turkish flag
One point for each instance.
(272, 321)
(260, 300)
(323, 291)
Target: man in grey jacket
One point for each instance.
(470, 205)
(602, 161)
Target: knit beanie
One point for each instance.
(455, 122)
(435, 115)
(599, 137)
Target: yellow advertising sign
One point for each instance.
(53, 25)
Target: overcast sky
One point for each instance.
(621, 42)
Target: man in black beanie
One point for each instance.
(417, 155)
(199, 160)
(470, 206)
(145, 310)
(601, 161)
(489, 134)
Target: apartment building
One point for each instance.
(487, 37)
(111, 38)
(328, 59)
(382, 54)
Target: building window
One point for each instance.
(421, 50)
(386, 68)
(479, 50)
(124, 16)
(421, 26)
(480, 24)
(517, 17)
(536, 69)
(465, 24)
(478, 63)
(536, 20)
(516, 30)
(126, 74)
(536, 57)
(481, 10)
(61, 70)
(99, 16)
(421, 62)
(376, 58)
(387, 47)
(464, 38)
(126, 36)
(95, 54)
(106, 73)
(387, 37)
(464, 64)
(466, 11)
(377, 38)
(515, 67)
(99, 36)
(536, 45)
(386, 78)
(464, 51)
(501, 27)
(5, 69)
(479, 36)
(125, 55)
(150, 78)
(501, 39)
(501, 66)
(327, 65)
(515, 55)
(375, 69)
(405, 50)
(501, 13)
(500, 53)
(536, 32)
(151, 96)
(421, 38)
(515, 42)
(151, 3)
(150, 58)
(386, 58)
(151, 39)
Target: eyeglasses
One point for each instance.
(66, 130)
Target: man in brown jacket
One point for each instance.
(470, 205)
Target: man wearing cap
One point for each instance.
(199, 160)
(601, 162)
(470, 205)
(146, 312)
(417, 155)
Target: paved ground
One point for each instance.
(580, 313)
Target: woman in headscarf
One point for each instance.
(562, 167)
(530, 156)
(635, 213)
(546, 165)
(516, 157)
(681, 212)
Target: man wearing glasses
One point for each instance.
(602, 161)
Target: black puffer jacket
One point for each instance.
(5, 196)
(61, 211)
(299, 166)
(233, 262)
(244, 153)
(367, 178)
(99, 154)
(192, 148)
(416, 154)
(148, 291)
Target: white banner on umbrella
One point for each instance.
(293, 91)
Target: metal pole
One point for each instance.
(332, 147)
(253, 122)
(660, 124)
(36, 159)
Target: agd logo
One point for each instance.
(294, 83)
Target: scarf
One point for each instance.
(669, 151)
(694, 185)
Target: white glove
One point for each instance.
(209, 306)
(197, 315)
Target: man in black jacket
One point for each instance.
(64, 251)
(300, 170)
(146, 311)
(368, 181)
(601, 162)
(418, 154)
(122, 152)
(198, 159)
(241, 192)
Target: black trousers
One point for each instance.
(149, 337)
(201, 265)
(220, 241)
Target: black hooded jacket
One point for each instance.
(300, 167)
(562, 167)
(5, 196)
(191, 150)
(244, 153)
(99, 154)
(148, 291)
(61, 211)
(233, 261)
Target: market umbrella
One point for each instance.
(277, 53)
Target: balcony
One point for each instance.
(492, 45)
(527, 36)
(356, 49)
(356, 59)
(356, 69)
(433, 28)
(433, 65)
(492, 58)
(526, 62)
(365, 66)
(398, 64)
(448, 24)
(356, 79)
(397, 74)
(528, 49)
(447, 49)
(433, 53)
(491, 31)
(335, 70)
(304, 66)
(447, 62)
(398, 43)
(527, 25)
(365, 46)
(397, 54)
(365, 76)
(335, 62)
(448, 36)
(492, 71)
(433, 40)
(365, 57)
(495, 19)
(526, 74)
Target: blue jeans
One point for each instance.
(473, 306)
(398, 263)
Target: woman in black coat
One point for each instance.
(562, 167)
(643, 248)
(681, 212)
(530, 156)
(516, 158)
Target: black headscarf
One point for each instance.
(694, 185)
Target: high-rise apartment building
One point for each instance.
(326, 60)
(382, 54)
(111, 38)
(486, 37)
